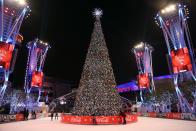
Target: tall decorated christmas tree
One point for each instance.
(96, 94)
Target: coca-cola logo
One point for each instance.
(129, 118)
(75, 119)
(102, 119)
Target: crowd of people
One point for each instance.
(154, 107)
(165, 104)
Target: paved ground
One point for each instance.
(143, 124)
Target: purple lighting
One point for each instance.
(132, 86)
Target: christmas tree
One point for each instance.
(96, 94)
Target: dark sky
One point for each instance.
(67, 26)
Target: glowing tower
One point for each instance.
(173, 21)
(12, 13)
(34, 71)
(143, 55)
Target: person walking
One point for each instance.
(32, 114)
(56, 115)
(124, 117)
(94, 120)
(27, 114)
(52, 114)
(35, 115)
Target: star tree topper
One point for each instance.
(97, 13)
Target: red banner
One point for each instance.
(181, 60)
(169, 115)
(6, 51)
(152, 114)
(77, 119)
(19, 117)
(173, 115)
(109, 119)
(103, 120)
(131, 118)
(176, 115)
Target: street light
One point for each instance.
(97, 13)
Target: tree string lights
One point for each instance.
(96, 94)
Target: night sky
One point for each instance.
(67, 26)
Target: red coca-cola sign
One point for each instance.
(75, 119)
(37, 79)
(103, 120)
(19, 117)
(181, 61)
(6, 50)
(131, 118)
(143, 81)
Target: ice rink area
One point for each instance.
(143, 124)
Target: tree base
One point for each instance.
(98, 120)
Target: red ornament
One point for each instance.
(6, 51)
(143, 81)
(181, 61)
(37, 79)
